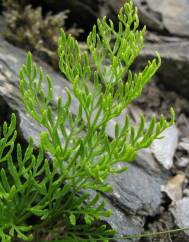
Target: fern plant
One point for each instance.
(46, 193)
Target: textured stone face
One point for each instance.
(174, 70)
(171, 18)
(164, 149)
(180, 213)
(175, 15)
(137, 191)
(172, 15)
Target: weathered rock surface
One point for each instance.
(180, 213)
(124, 223)
(168, 15)
(148, 17)
(136, 192)
(164, 149)
(174, 70)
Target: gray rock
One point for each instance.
(164, 149)
(126, 225)
(183, 125)
(184, 144)
(180, 214)
(174, 70)
(137, 191)
(170, 15)
(149, 17)
(182, 162)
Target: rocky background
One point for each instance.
(153, 195)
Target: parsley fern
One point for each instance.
(75, 155)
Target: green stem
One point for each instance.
(144, 235)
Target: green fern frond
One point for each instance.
(55, 189)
